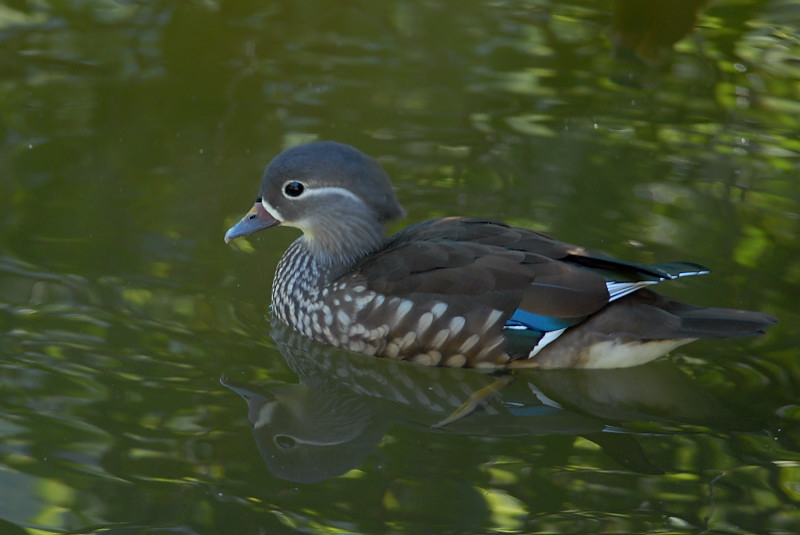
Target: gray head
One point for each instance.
(338, 196)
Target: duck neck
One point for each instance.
(340, 242)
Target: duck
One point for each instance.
(459, 291)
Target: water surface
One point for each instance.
(137, 352)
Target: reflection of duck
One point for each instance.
(455, 291)
(649, 28)
(308, 435)
(345, 403)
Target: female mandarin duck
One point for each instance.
(459, 291)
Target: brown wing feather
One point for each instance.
(484, 264)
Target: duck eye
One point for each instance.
(285, 442)
(293, 189)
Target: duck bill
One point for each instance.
(256, 219)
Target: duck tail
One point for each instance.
(699, 322)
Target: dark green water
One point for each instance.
(135, 346)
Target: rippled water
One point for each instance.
(142, 386)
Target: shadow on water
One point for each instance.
(343, 404)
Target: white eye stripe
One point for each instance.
(329, 190)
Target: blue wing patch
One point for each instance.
(542, 324)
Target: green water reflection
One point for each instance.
(132, 134)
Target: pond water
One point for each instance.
(142, 387)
